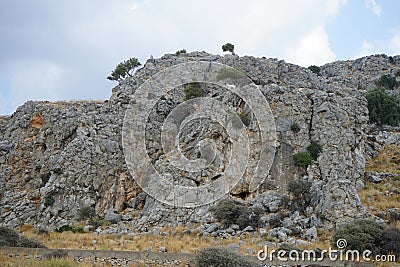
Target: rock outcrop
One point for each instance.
(58, 158)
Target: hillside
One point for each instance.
(60, 158)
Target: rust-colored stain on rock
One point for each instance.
(37, 121)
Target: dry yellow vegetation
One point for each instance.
(380, 197)
(388, 160)
(175, 241)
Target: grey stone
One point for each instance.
(112, 216)
(248, 229)
(300, 242)
(5, 145)
(235, 227)
(311, 234)
(213, 227)
(233, 246)
(162, 249)
(250, 251)
(229, 231)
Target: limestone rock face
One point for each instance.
(58, 158)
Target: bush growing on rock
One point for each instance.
(49, 201)
(314, 149)
(86, 213)
(387, 81)
(124, 69)
(315, 69)
(179, 52)
(220, 257)
(303, 159)
(230, 212)
(193, 90)
(295, 127)
(383, 108)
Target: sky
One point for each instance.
(64, 50)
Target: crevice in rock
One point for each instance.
(242, 195)
(310, 124)
(69, 138)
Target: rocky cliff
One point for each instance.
(58, 158)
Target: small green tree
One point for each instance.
(383, 108)
(124, 69)
(315, 149)
(387, 81)
(179, 52)
(303, 159)
(228, 47)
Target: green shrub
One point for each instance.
(57, 170)
(397, 73)
(315, 69)
(10, 238)
(229, 73)
(220, 257)
(45, 178)
(49, 201)
(74, 229)
(383, 109)
(300, 192)
(193, 90)
(230, 212)
(314, 149)
(303, 159)
(391, 242)
(124, 69)
(228, 47)
(387, 81)
(361, 235)
(179, 52)
(295, 127)
(86, 213)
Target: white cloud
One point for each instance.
(394, 45)
(85, 43)
(367, 48)
(35, 80)
(2, 104)
(373, 6)
(311, 49)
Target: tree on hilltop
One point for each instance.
(228, 47)
(124, 69)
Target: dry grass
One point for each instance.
(175, 241)
(381, 197)
(33, 261)
(388, 160)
